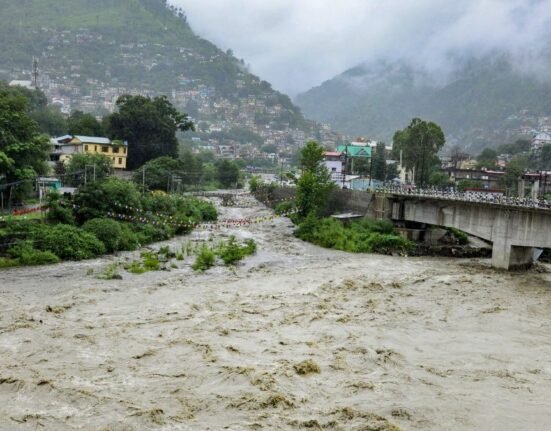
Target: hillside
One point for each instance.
(92, 51)
(484, 103)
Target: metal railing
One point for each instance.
(468, 196)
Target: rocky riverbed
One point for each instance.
(294, 338)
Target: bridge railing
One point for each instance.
(469, 196)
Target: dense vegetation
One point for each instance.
(148, 125)
(23, 150)
(188, 172)
(365, 236)
(103, 217)
(312, 195)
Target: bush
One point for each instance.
(151, 261)
(59, 210)
(365, 236)
(108, 231)
(128, 239)
(254, 183)
(147, 233)
(204, 260)
(95, 199)
(231, 251)
(26, 255)
(461, 237)
(69, 243)
(208, 210)
(388, 244)
(284, 207)
(8, 263)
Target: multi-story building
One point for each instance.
(64, 147)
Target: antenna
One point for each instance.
(35, 72)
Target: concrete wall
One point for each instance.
(343, 200)
(339, 201)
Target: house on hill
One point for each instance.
(539, 141)
(64, 147)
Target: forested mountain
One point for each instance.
(91, 51)
(486, 102)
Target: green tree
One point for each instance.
(149, 126)
(23, 151)
(157, 173)
(83, 168)
(98, 198)
(192, 169)
(514, 170)
(545, 158)
(419, 144)
(48, 119)
(227, 173)
(314, 185)
(519, 146)
(379, 162)
(487, 159)
(80, 123)
(439, 179)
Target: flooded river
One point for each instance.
(294, 338)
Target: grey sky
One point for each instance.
(298, 44)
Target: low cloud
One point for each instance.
(297, 44)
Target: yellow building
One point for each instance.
(116, 150)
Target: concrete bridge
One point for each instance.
(513, 228)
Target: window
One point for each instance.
(96, 148)
(86, 148)
(104, 149)
(124, 150)
(120, 160)
(115, 150)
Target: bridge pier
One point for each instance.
(510, 257)
(516, 231)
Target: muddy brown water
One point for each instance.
(413, 343)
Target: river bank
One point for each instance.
(421, 343)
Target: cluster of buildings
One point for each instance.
(72, 83)
(341, 164)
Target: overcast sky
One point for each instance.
(298, 44)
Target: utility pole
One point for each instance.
(35, 72)
(370, 167)
(345, 165)
(281, 174)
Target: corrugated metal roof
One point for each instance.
(93, 140)
(354, 151)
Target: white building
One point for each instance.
(540, 140)
(335, 165)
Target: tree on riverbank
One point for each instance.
(314, 184)
(419, 144)
(149, 126)
(23, 150)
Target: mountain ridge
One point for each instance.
(476, 107)
(92, 51)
